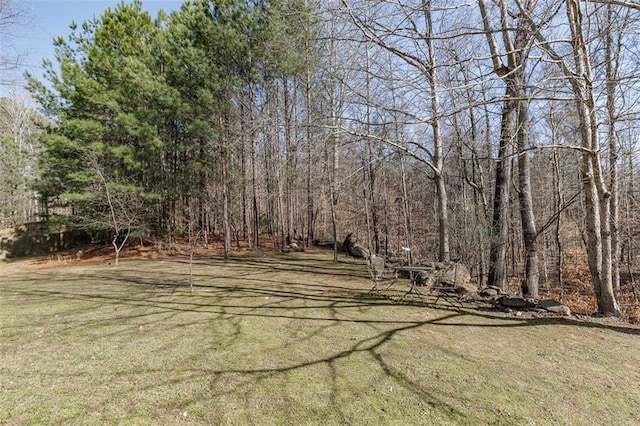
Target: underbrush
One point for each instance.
(578, 294)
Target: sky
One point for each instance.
(47, 19)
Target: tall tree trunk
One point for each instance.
(597, 197)
(254, 168)
(529, 231)
(310, 204)
(226, 229)
(515, 126)
(374, 241)
(596, 194)
(559, 202)
(527, 217)
(438, 157)
(280, 165)
(611, 61)
(406, 212)
(290, 161)
(500, 221)
(245, 189)
(373, 232)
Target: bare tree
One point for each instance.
(413, 45)
(12, 16)
(19, 150)
(512, 73)
(110, 205)
(579, 72)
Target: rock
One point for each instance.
(514, 302)
(547, 303)
(359, 252)
(466, 289)
(348, 242)
(354, 249)
(489, 292)
(328, 244)
(454, 274)
(293, 247)
(425, 278)
(555, 307)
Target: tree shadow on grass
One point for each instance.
(351, 296)
(372, 346)
(581, 321)
(283, 263)
(236, 297)
(241, 290)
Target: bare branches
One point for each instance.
(628, 4)
(491, 41)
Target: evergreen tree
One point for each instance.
(105, 101)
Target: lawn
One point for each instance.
(291, 339)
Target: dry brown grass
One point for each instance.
(290, 339)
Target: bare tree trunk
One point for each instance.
(500, 222)
(226, 229)
(254, 168)
(529, 231)
(438, 157)
(611, 61)
(374, 244)
(559, 201)
(527, 217)
(515, 125)
(406, 212)
(332, 163)
(596, 194)
(290, 161)
(335, 96)
(280, 167)
(243, 167)
(597, 197)
(310, 204)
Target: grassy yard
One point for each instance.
(291, 339)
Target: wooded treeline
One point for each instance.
(503, 133)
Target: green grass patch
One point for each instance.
(291, 339)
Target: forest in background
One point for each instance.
(499, 133)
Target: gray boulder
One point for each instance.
(359, 251)
(514, 302)
(354, 249)
(454, 274)
(293, 247)
(555, 307)
(466, 289)
(447, 276)
(489, 292)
